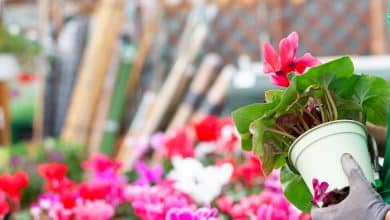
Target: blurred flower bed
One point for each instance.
(193, 173)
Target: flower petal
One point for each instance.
(271, 59)
(280, 80)
(293, 39)
(288, 48)
(307, 60)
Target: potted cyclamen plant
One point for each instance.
(307, 127)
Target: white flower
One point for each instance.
(203, 183)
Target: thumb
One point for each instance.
(352, 169)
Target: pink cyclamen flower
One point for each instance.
(281, 65)
(205, 213)
(94, 210)
(319, 191)
(100, 163)
(154, 202)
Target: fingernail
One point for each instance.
(346, 156)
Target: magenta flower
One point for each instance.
(205, 213)
(100, 163)
(281, 65)
(320, 193)
(154, 202)
(148, 175)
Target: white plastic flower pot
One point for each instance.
(317, 153)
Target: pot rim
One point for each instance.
(290, 162)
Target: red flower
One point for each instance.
(27, 77)
(68, 199)
(101, 163)
(251, 170)
(4, 208)
(13, 185)
(281, 66)
(51, 171)
(179, 143)
(208, 128)
(54, 174)
(94, 190)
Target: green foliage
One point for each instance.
(18, 45)
(295, 189)
(335, 92)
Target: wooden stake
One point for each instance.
(89, 84)
(199, 85)
(151, 26)
(5, 114)
(217, 93)
(104, 105)
(194, 36)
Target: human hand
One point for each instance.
(362, 202)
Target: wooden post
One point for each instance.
(4, 114)
(378, 29)
(104, 105)
(89, 84)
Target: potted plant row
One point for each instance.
(305, 128)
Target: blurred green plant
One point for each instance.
(19, 45)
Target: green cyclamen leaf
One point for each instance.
(295, 189)
(324, 74)
(373, 94)
(273, 95)
(244, 116)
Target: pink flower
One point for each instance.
(281, 65)
(154, 202)
(319, 191)
(94, 210)
(280, 209)
(205, 213)
(100, 163)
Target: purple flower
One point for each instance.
(54, 156)
(319, 191)
(148, 175)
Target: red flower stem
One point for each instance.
(280, 128)
(304, 124)
(322, 111)
(332, 104)
(314, 117)
(275, 131)
(296, 130)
